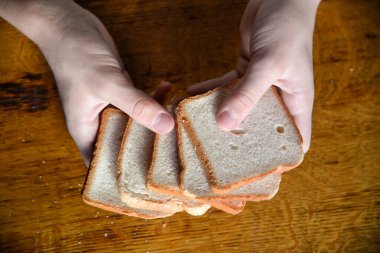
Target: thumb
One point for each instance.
(255, 82)
(139, 106)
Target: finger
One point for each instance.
(255, 82)
(246, 27)
(84, 136)
(300, 106)
(210, 84)
(84, 130)
(303, 122)
(161, 92)
(138, 105)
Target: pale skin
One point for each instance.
(276, 49)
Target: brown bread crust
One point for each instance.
(225, 204)
(218, 197)
(106, 114)
(160, 206)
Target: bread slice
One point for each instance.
(100, 189)
(266, 142)
(134, 159)
(164, 173)
(195, 184)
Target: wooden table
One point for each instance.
(331, 203)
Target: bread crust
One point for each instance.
(217, 188)
(227, 204)
(217, 196)
(105, 116)
(123, 211)
(151, 185)
(161, 206)
(167, 190)
(232, 204)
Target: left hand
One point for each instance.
(276, 49)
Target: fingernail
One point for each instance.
(162, 123)
(227, 120)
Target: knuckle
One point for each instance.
(244, 98)
(140, 107)
(111, 79)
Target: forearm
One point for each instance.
(40, 20)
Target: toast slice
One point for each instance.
(195, 184)
(100, 189)
(266, 142)
(133, 163)
(164, 173)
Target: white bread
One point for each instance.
(100, 189)
(266, 142)
(164, 173)
(133, 163)
(195, 184)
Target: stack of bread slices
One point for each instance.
(196, 166)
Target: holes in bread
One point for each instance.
(283, 149)
(233, 147)
(238, 131)
(280, 129)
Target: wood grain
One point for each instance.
(331, 203)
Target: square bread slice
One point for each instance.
(164, 174)
(100, 189)
(133, 163)
(195, 184)
(266, 142)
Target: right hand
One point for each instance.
(90, 75)
(276, 49)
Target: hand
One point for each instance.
(88, 70)
(276, 49)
